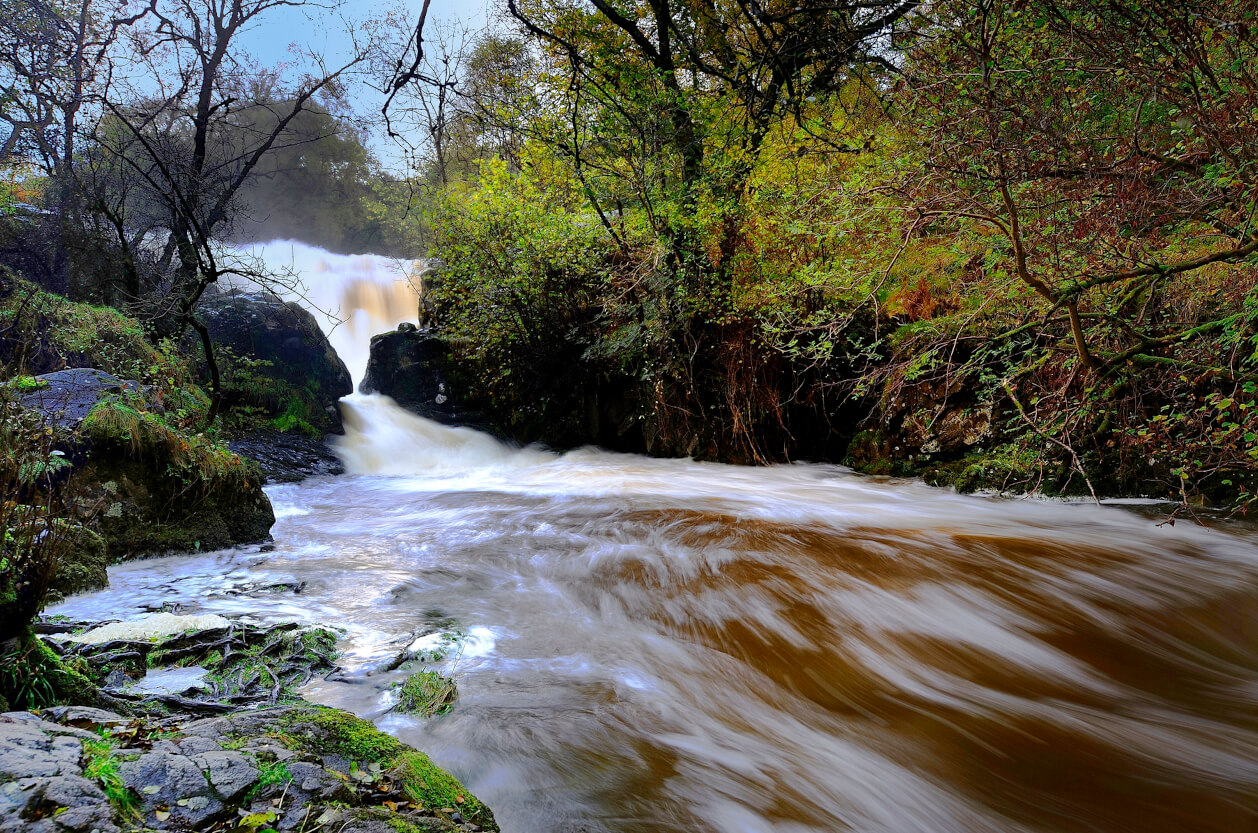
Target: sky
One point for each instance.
(271, 42)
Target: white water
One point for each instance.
(353, 297)
(664, 645)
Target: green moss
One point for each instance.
(1008, 467)
(26, 384)
(435, 789)
(426, 693)
(100, 764)
(330, 731)
(340, 733)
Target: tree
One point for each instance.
(194, 137)
(1111, 149)
(705, 82)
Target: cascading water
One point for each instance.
(665, 645)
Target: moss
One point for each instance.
(55, 332)
(426, 693)
(144, 435)
(1008, 467)
(435, 789)
(330, 731)
(33, 676)
(340, 733)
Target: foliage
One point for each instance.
(33, 677)
(1015, 245)
(37, 521)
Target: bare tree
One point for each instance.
(192, 132)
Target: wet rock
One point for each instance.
(231, 774)
(81, 717)
(172, 784)
(184, 779)
(66, 397)
(60, 804)
(409, 365)
(287, 457)
(36, 748)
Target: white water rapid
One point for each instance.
(659, 646)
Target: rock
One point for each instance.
(183, 779)
(150, 512)
(162, 489)
(61, 804)
(36, 748)
(83, 717)
(287, 457)
(163, 780)
(231, 774)
(408, 365)
(261, 325)
(82, 568)
(67, 396)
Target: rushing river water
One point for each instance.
(663, 645)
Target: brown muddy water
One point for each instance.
(664, 645)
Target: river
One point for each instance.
(650, 646)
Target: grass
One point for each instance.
(145, 435)
(101, 766)
(426, 693)
(270, 773)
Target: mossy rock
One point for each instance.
(33, 676)
(84, 567)
(164, 489)
(329, 731)
(276, 361)
(44, 332)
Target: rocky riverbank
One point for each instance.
(77, 770)
(205, 730)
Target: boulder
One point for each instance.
(66, 397)
(408, 364)
(304, 378)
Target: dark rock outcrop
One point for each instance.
(66, 397)
(409, 365)
(307, 374)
